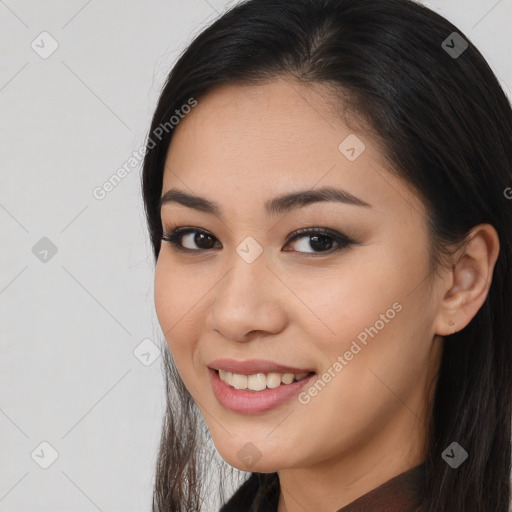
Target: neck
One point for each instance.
(334, 483)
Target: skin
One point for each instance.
(241, 146)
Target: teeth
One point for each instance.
(259, 381)
(273, 380)
(287, 378)
(239, 381)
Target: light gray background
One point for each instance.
(69, 325)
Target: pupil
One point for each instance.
(200, 237)
(326, 245)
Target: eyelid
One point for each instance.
(173, 235)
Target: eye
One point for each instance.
(193, 236)
(321, 240)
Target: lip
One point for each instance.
(252, 366)
(255, 402)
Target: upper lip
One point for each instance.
(252, 366)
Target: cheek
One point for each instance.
(178, 293)
(379, 317)
(175, 299)
(375, 314)
(344, 301)
(166, 303)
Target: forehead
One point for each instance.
(272, 121)
(255, 142)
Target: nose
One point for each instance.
(249, 302)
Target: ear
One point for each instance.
(469, 280)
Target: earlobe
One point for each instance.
(470, 280)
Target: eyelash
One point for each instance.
(175, 235)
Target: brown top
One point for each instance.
(402, 493)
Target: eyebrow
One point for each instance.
(275, 206)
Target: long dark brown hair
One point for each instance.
(445, 125)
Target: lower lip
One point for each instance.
(254, 402)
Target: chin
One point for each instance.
(261, 466)
(248, 456)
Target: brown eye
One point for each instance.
(202, 240)
(321, 240)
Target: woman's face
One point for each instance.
(359, 315)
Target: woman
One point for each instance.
(327, 190)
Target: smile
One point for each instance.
(256, 401)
